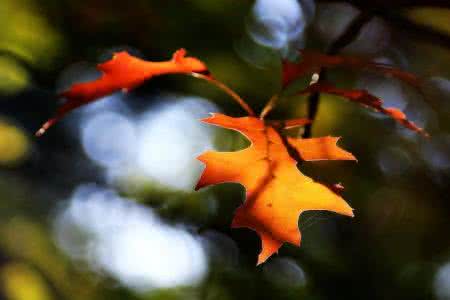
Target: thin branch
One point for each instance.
(227, 90)
(269, 106)
(348, 35)
(390, 4)
(390, 11)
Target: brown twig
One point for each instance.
(227, 90)
(348, 35)
(269, 106)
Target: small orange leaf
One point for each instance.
(276, 191)
(123, 72)
(312, 62)
(363, 97)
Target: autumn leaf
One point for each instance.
(311, 62)
(288, 124)
(123, 72)
(365, 98)
(276, 191)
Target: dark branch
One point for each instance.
(348, 35)
(390, 12)
(393, 4)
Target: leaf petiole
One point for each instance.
(227, 90)
(269, 106)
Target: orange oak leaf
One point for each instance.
(365, 98)
(312, 62)
(276, 191)
(288, 124)
(123, 72)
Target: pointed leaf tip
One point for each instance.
(363, 97)
(124, 72)
(179, 55)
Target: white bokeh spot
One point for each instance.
(128, 241)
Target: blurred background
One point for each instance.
(103, 207)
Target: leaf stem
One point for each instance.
(349, 34)
(227, 90)
(269, 106)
